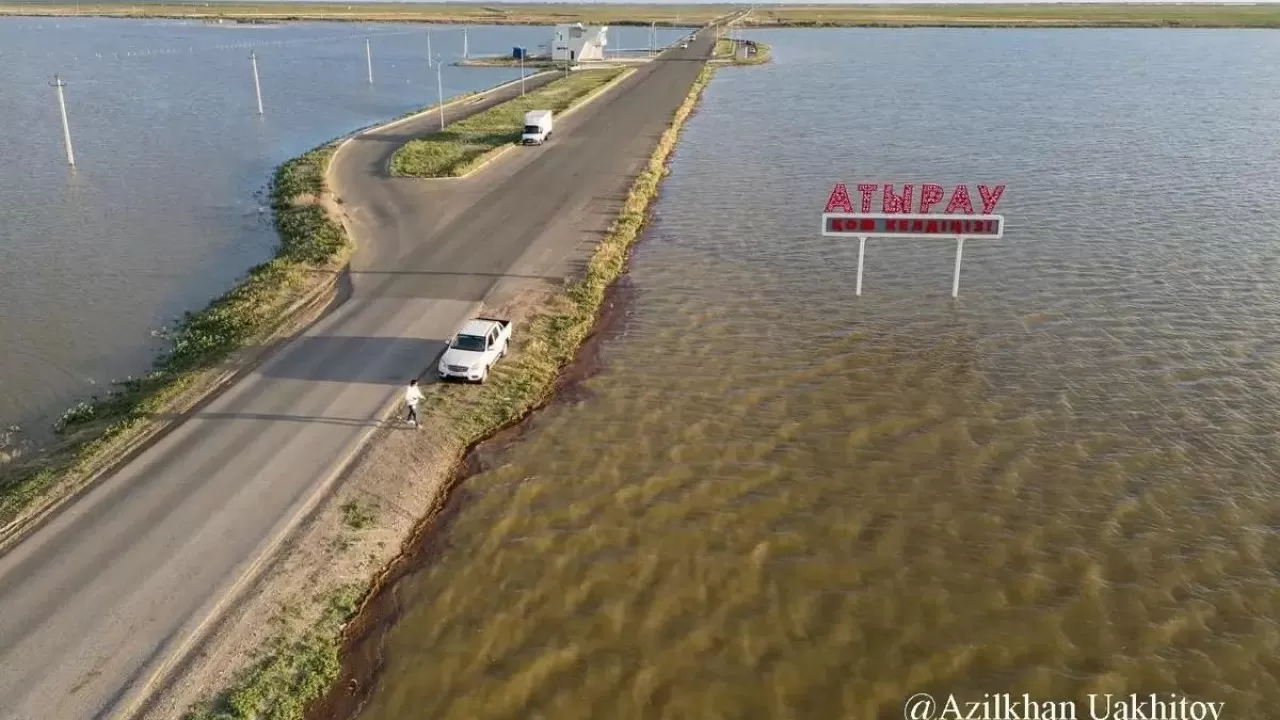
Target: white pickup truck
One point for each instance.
(474, 349)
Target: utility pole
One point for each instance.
(440, 90)
(428, 49)
(368, 59)
(522, 53)
(464, 43)
(66, 128)
(257, 86)
(955, 279)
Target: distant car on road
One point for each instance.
(684, 46)
(473, 351)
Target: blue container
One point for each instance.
(519, 53)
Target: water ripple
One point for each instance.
(782, 500)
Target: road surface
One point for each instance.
(94, 601)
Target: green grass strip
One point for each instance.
(291, 670)
(464, 145)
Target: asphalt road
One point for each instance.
(94, 601)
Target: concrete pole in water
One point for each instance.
(464, 43)
(440, 90)
(66, 128)
(428, 48)
(955, 280)
(862, 250)
(257, 86)
(368, 59)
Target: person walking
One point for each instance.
(412, 396)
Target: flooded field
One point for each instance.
(777, 500)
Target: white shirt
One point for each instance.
(412, 396)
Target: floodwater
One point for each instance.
(778, 500)
(166, 207)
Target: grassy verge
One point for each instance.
(295, 666)
(731, 51)
(463, 146)
(301, 661)
(311, 248)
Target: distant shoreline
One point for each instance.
(789, 16)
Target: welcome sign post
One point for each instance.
(958, 221)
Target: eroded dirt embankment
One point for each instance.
(364, 638)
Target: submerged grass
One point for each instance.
(298, 666)
(311, 247)
(463, 146)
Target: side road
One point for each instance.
(98, 599)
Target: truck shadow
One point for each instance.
(363, 360)
(439, 284)
(347, 422)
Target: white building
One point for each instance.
(575, 42)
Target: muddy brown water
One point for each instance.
(364, 638)
(778, 500)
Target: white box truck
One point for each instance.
(537, 127)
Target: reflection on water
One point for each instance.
(783, 501)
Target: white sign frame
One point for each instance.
(958, 237)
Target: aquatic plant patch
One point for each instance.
(311, 248)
